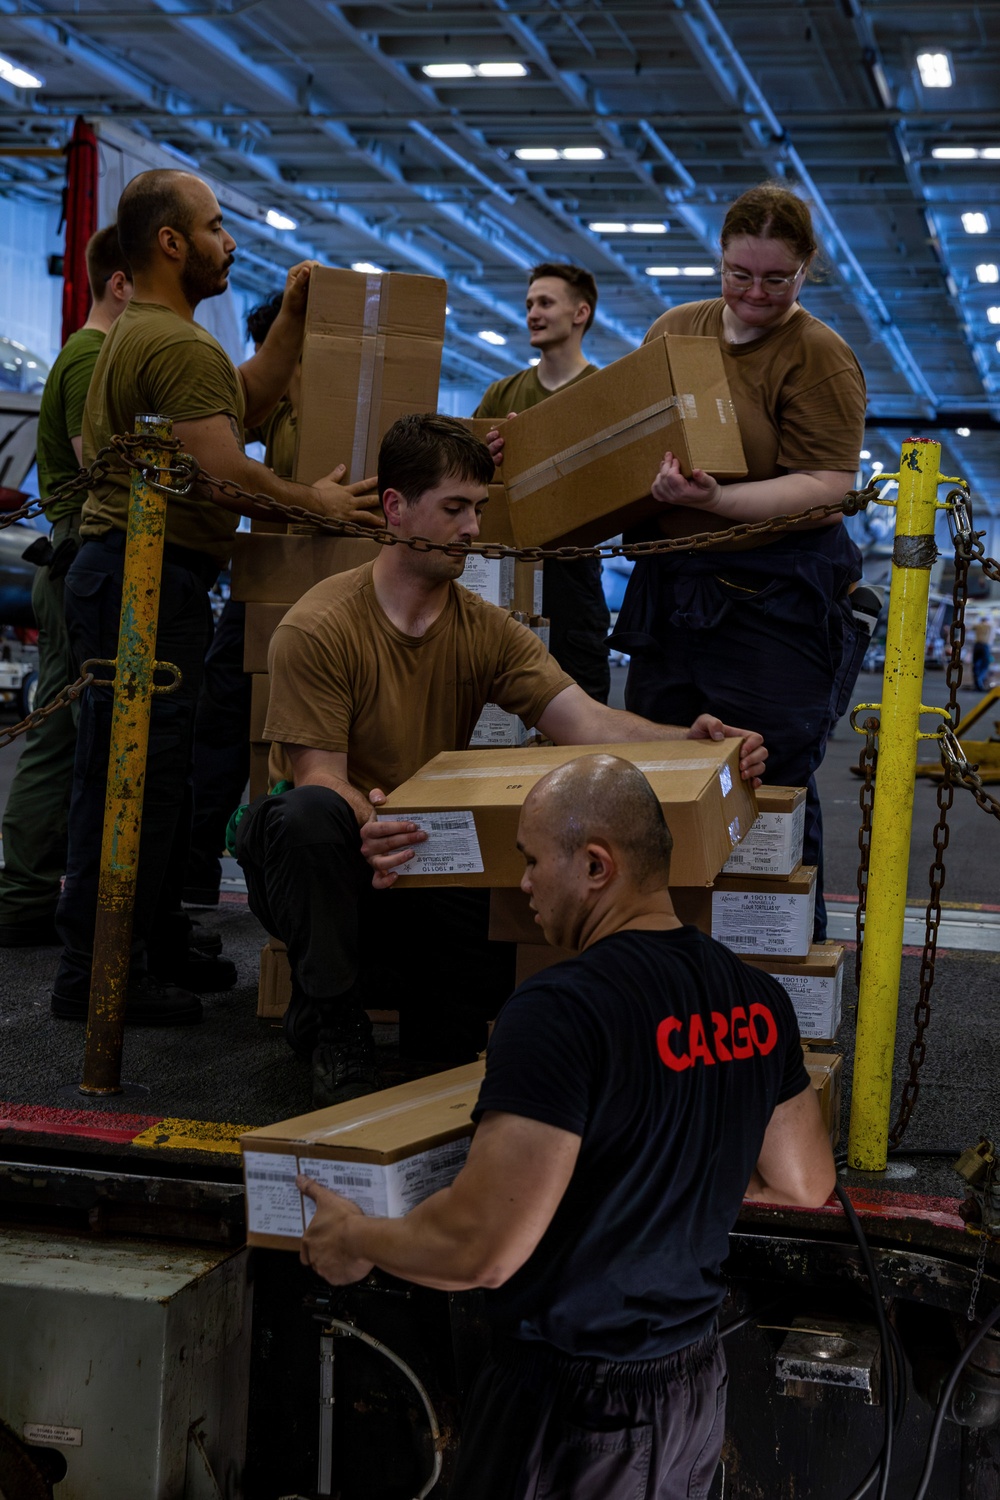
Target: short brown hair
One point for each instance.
(772, 211)
(575, 277)
(104, 258)
(418, 451)
(150, 202)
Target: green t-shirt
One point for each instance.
(278, 433)
(155, 361)
(518, 392)
(60, 417)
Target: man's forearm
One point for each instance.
(614, 726)
(258, 479)
(433, 1246)
(358, 804)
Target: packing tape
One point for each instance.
(482, 773)
(366, 378)
(375, 403)
(606, 440)
(387, 1113)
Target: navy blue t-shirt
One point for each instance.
(667, 1055)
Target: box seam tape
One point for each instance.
(599, 444)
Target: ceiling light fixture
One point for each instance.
(489, 337)
(990, 153)
(567, 153)
(954, 153)
(877, 466)
(366, 268)
(17, 77)
(975, 223)
(993, 314)
(699, 271)
(475, 70)
(865, 453)
(988, 273)
(963, 431)
(935, 70)
(280, 221)
(610, 228)
(663, 270)
(647, 228)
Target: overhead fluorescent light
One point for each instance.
(280, 221)
(698, 271)
(475, 70)
(567, 153)
(610, 228)
(489, 337)
(448, 70)
(17, 77)
(935, 70)
(988, 273)
(998, 346)
(993, 314)
(963, 431)
(975, 223)
(535, 361)
(366, 268)
(990, 153)
(501, 70)
(647, 228)
(877, 466)
(954, 153)
(663, 270)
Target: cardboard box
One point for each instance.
(496, 728)
(259, 782)
(760, 916)
(815, 986)
(280, 569)
(371, 353)
(492, 578)
(578, 468)
(260, 692)
(386, 1152)
(824, 1069)
(773, 845)
(469, 802)
(262, 620)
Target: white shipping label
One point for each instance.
(762, 922)
(492, 578)
(363, 1182)
(496, 728)
(274, 1204)
(418, 1177)
(772, 847)
(452, 846)
(46, 1433)
(816, 1000)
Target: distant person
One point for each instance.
(34, 820)
(561, 303)
(633, 1096)
(222, 721)
(158, 359)
(982, 656)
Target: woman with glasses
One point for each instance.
(766, 633)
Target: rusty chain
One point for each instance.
(62, 699)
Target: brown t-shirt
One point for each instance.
(155, 361)
(278, 433)
(518, 392)
(344, 679)
(798, 390)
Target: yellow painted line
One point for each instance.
(193, 1135)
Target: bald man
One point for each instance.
(634, 1095)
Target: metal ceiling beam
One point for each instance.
(712, 44)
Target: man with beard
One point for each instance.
(157, 359)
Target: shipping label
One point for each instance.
(274, 1204)
(763, 922)
(773, 845)
(452, 846)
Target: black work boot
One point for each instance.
(147, 1004)
(343, 1061)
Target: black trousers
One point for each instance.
(93, 597)
(757, 672)
(221, 749)
(424, 952)
(540, 1425)
(573, 600)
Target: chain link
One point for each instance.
(66, 696)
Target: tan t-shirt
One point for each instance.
(343, 678)
(518, 392)
(278, 433)
(798, 390)
(154, 361)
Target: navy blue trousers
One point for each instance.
(93, 598)
(221, 751)
(756, 671)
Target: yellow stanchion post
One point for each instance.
(135, 665)
(878, 996)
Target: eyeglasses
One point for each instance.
(742, 281)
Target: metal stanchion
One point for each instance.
(878, 996)
(133, 688)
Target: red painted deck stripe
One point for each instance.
(98, 1125)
